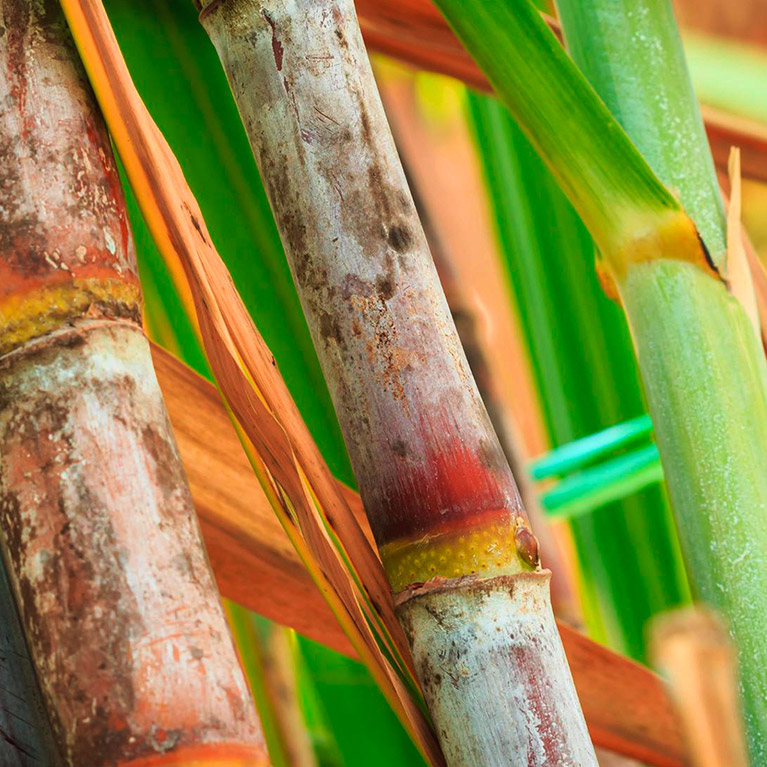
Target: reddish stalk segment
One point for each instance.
(119, 608)
(423, 450)
(64, 239)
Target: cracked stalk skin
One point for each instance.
(437, 489)
(119, 610)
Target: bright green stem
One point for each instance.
(631, 53)
(575, 455)
(613, 189)
(706, 380)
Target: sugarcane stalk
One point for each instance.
(436, 487)
(119, 609)
(701, 361)
(442, 213)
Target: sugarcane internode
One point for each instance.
(31, 314)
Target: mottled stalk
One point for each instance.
(119, 609)
(436, 487)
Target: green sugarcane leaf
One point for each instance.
(616, 193)
(583, 363)
(621, 46)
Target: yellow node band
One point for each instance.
(487, 550)
(30, 315)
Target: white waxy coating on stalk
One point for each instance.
(382, 328)
(491, 663)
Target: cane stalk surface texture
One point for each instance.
(119, 609)
(437, 489)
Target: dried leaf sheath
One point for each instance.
(438, 491)
(120, 611)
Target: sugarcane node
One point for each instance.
(670, 236)
(26, 317)
(230, 754)
(486, 545)
(476, 583)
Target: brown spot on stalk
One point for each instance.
(365, 123)
(399, 448)
(399, 238)
(330, 329)
(340, 21)
(354, 285)
(385, 287)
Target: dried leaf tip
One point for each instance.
(736, 268)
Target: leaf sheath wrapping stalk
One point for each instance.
(120, 612)
(621, 45)
(437, 489)
(704, 373)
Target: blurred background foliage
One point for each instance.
(575, 353)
